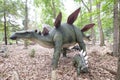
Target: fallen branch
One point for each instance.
(15, 76)
(109, 70)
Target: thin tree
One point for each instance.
(92, 30)
(116, 29)
(5, 27)
(54, 9)
(26, 22)
(100, 24)
(90, 19)
(118, 68)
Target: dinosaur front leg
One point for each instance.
(55, 59)
(56, 56)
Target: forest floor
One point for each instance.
(19, 63)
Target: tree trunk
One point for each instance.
(92, 29)
(116, 29)
(100, 26)
(53, 8)
(5, 27)
(26, 24)
(118, 68)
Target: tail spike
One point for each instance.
(81, 52)
(84, 53)
(86, 61)
(86, 57)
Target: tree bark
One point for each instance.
(53, 8)
(92, 29)
(26, 23)
(100, 26)
(5, 27)
(116, 29)
(118, 68)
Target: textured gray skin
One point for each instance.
(63, 37)
(79, 63)
(48, 28)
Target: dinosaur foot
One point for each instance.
(53, 75)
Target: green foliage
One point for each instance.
(108, 26)
(106, 13)
(10, 8)
(50, 9)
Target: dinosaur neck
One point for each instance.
(45, 41)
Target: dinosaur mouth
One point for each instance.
(13, 37)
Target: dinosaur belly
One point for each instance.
(67, 45)
(46, 45)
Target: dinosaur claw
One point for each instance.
(53, 75)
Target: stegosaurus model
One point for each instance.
(47, 28)
(60, 37)
(80, 61)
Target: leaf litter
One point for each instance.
(20, 66)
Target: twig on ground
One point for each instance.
(109, 70)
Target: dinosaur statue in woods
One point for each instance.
(61, 37)
(47, 28)
(80, 62)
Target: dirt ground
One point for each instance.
(19, 63)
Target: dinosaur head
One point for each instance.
(35, 36)
(24, 35)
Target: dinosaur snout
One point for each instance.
(13, 37)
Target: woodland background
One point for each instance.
(16, 15)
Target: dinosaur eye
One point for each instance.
(36, 30)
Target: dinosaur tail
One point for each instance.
(84, 56)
